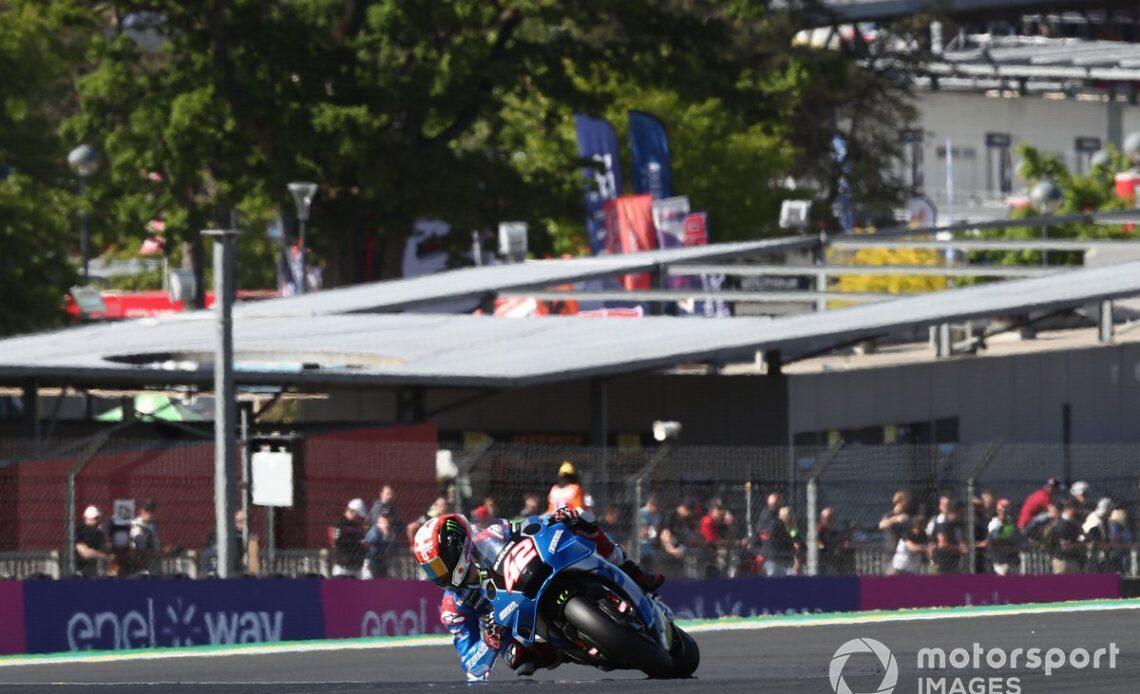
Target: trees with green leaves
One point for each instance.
(36, 208)
(401, 109)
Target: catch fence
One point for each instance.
(687, 511)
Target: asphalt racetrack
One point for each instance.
(793, 658)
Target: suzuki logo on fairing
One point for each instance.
(554, 541)
(508, 610)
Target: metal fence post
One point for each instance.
(813, 508)
(635, 544)
(748, 507)
(971, 514)
(659, 455)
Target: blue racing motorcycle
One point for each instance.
(548, 585)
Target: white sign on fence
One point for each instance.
(272, 478)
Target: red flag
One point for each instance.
(629, 228)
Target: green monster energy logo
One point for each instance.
(452, 525)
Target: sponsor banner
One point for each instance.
(650, 145)
(597, 142)
(905, 592)
(695, 231)
(381, 607)
(750, 597)
(669, 217)
(83, 615)
(629, 229)
(11, 617)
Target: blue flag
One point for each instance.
(650, 145)
(597, 141)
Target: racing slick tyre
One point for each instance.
(686, 654)
(618, 642)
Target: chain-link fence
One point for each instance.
(686, 511)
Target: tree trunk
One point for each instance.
(392, 252)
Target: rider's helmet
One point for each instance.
(443, 547)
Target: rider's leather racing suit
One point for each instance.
(466, 614)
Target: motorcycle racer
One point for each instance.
(444, 548)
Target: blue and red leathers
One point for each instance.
(464, 610)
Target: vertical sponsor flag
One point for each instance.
(629, 228)
(650, 145)
(597, 142)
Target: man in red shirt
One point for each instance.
(1037, 503)
(716, 522)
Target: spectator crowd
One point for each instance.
(704, 538)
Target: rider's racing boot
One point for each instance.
(644, 580)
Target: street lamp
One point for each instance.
(84, 161)
(303, 193)
(1046, 198)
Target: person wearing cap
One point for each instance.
(1003, 540)
(567, 492)
(1037, 504)
(347, 539)
(92, 547)
(1080, 493)
(1095, 529)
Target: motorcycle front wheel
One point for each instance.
(619, 643)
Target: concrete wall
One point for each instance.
(1051, 125)
(1016, 398)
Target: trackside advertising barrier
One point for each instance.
(904, 592)
(380, 608)
(77, 615)
(751, 597)
(11, 617)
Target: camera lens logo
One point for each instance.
(855, 647)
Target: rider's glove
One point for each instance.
(580, 521)
(492, 633)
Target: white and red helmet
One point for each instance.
(444, 549)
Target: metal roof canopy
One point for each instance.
(454, 351)
(1023, 57)
(477, 282)
(847, 11)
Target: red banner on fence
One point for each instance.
(12, 622)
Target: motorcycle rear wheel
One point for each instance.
(619, 643)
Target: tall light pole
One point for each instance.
(225, 400)
(303, 193)
(84, 161)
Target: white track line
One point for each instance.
(731, 624)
